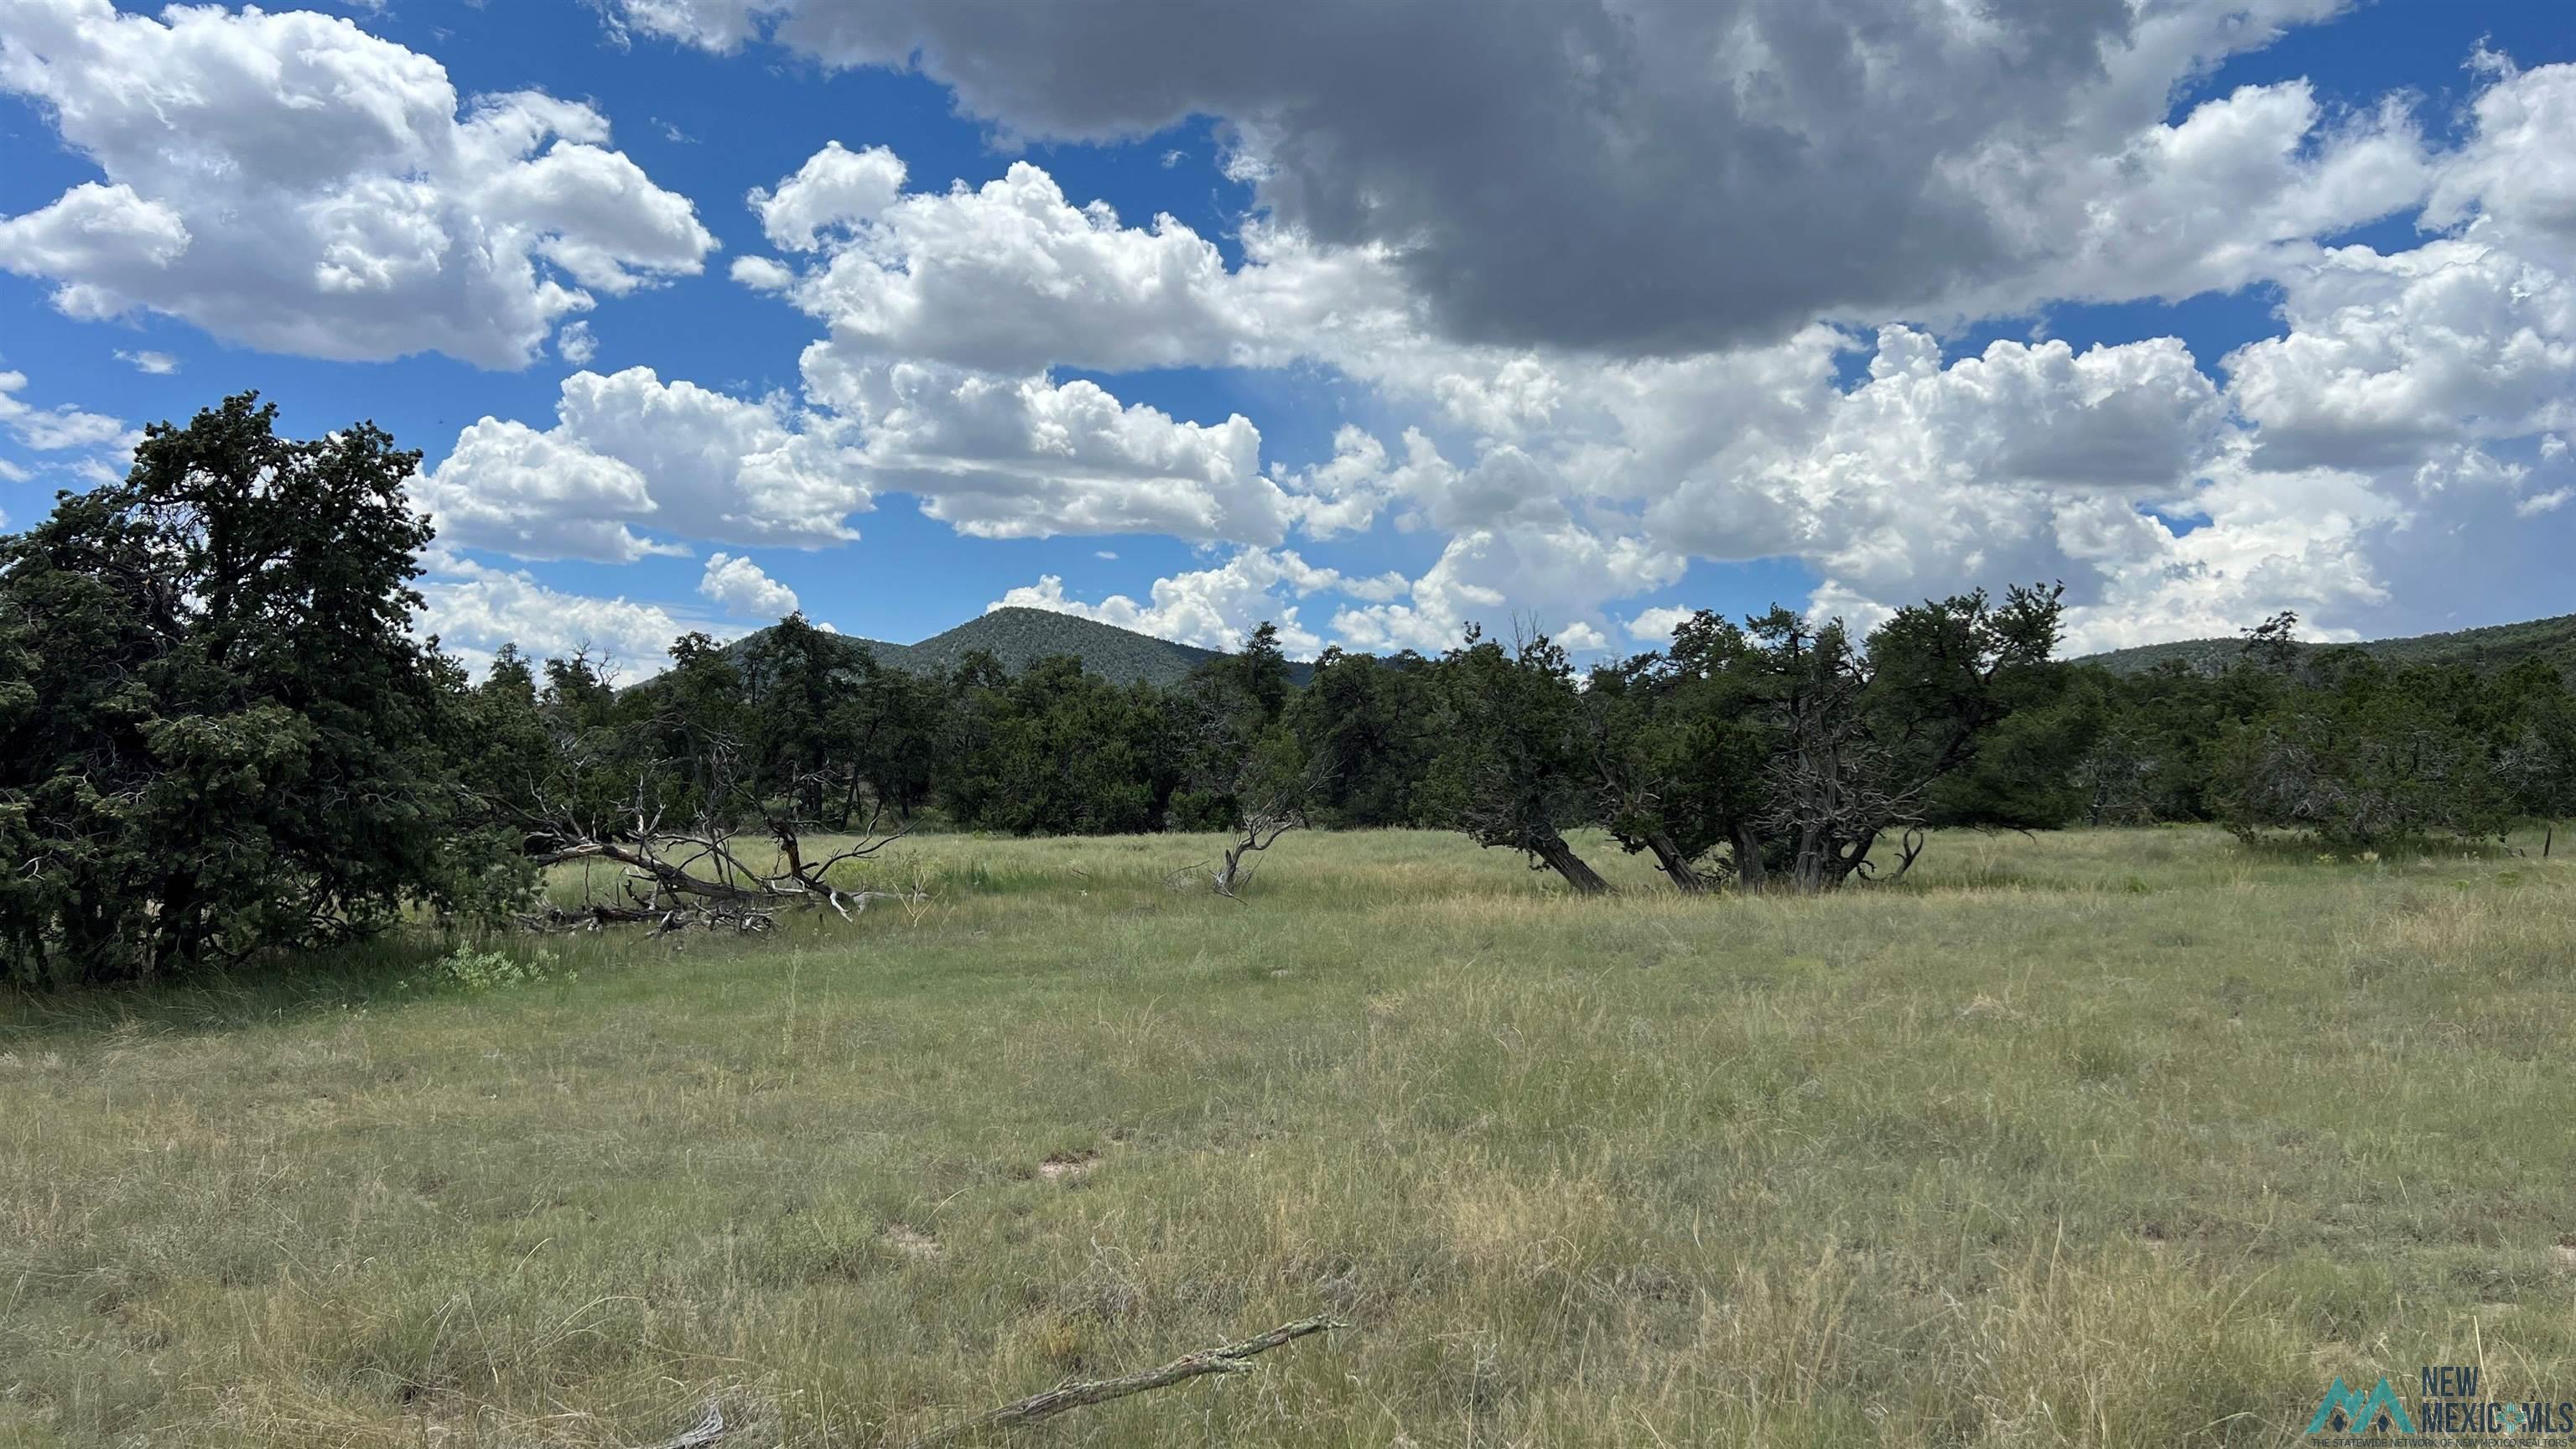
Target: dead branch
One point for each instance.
(1267, 813)
(1254, 834)
(559, 920)
(1071, 1394)
(709, 1428)
(679, 877)
(1081, 1393)
(1909, 850)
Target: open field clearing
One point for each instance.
(2118, 1137)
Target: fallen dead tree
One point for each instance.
(676, 879)
(707, 872)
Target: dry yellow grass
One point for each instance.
(2112, 1138)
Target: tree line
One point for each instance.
(219, 738)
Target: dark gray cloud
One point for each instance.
(1626, 175)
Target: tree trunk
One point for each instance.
(1561, 858)
(1851, 858)
(1675, 865)
(182, 930)
(1749, 870)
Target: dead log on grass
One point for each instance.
(1231, 1358)
(1082, 1393)
(699, 873)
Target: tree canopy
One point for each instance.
(217, 734)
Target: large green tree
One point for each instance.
(2363, 756)
(1784, 753)
(1056, 751)
(1515, 767)
(217, 733)
(1367, 722)
(1681, 743)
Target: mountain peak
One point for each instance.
(1019, 636)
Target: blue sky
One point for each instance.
(1652, 306)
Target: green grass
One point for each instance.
(2120, 1137)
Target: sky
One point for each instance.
(1370, 317)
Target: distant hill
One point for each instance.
(2486, 650)
(1020, 637)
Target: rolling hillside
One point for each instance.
(1020, 637)
(2488, 649)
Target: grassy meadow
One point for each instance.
(2101, 1138)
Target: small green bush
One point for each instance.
(479, 971)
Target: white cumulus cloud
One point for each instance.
(744, 590)
(1026, 457)
(474, 609)
(287, 180)
(628, 452)
(1216, 608)
(54, 429)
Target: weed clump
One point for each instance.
(469, 970)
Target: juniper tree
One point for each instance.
(1514, 768)
(217, 732)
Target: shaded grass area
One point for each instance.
(2119, 1137)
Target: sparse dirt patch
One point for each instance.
(1987, 1008)
(912, 1243)
(1068, 1166)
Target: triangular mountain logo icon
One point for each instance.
(2348, 1412)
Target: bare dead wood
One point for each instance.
(709, 1428)
(1270, 805)
(1255, 834)
(664, 922)
(1232, 1358)
(1909, 850)
(681, 877)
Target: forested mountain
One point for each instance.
(2488, 651)
(1020, 637)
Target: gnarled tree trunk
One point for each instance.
(1750, 873)
(1558, 856)
(1675, 865)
